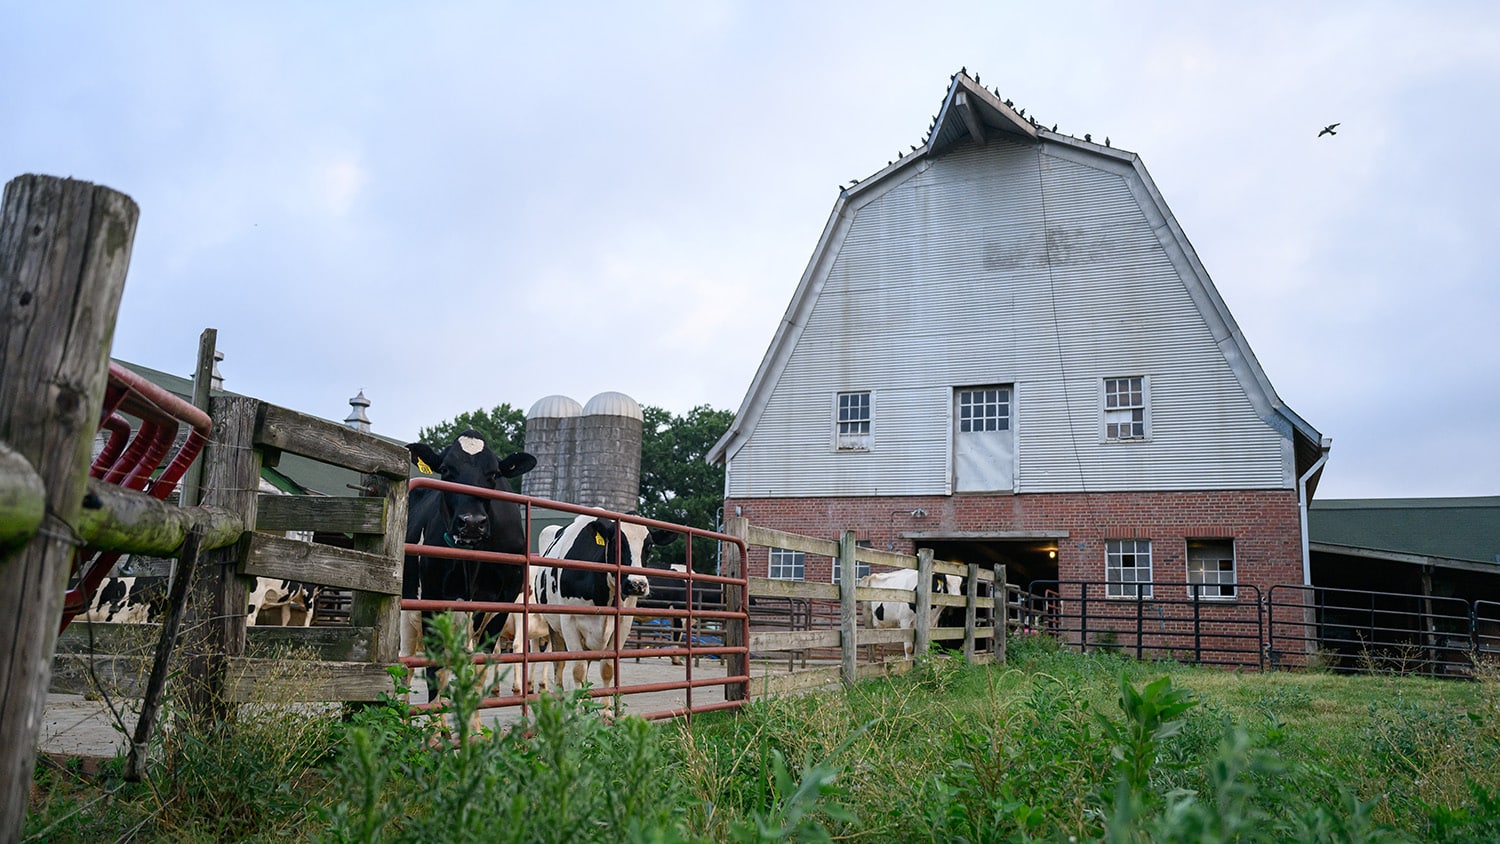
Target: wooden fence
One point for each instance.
(814, 628)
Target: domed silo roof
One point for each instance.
(613, 404)
(555, 407)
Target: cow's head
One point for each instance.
(469, 461)
(594, 541)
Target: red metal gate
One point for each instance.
(735, 686)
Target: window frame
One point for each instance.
(1116, 586)
(861, 568)
(1006, 400)
(1226, 591)
(797, 563)
(855, 443)
(1105, 420)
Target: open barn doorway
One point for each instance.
(1026, 559)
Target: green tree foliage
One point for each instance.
(677, 485)
(504, 429)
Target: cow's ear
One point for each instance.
(604, 530)
(424, 455)
(517, 465)
(663, 537)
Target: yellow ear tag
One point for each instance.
(423, 467)
(598, 539)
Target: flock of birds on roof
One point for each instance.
(932, 125)
(1020, 112)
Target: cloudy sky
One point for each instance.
(455, 205)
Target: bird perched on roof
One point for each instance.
(1106, 140)
(1054, 127)
(1328, 130)
(1089, 138)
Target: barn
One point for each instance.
(1005, 349)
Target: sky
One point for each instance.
(450, 205)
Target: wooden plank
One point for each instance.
(881, 557)
(768, 538)
(887, 636)
(780, 684)
(270, 555)
(254, 680)
(327, 514)
(64, 249)
(765, 587)
(795, 640)
(338, 644)
(23, 499)
(330, 442)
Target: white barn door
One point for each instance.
(984, 445)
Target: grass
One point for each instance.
(1053, 746)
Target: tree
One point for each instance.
(677, 484)
(503, 427)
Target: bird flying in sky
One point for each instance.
(1328, 130)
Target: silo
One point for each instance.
(608, 464)
(550, 438)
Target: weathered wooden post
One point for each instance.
(733, 565)
(922, 635)
(1000, 596)
(971, 605)
(215, 624)
(64, 250)
(848, 618)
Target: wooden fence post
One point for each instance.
(192, 482)
(848, 619)
(64, 250)
(922, 635)
(971, 605)
(215, 628)
(1000, 594)
(732, 564)
(382, 613)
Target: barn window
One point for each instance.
(1125, 408)
(787, 565)
(984, 409)
(853, 422)
(1210, 562)
(861, 568)
(1127, 568)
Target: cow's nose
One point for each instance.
(638, 586)
(474, 524)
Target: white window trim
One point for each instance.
(1234, 585)
(869, 440)
(771, 567)
(1104, 411)
(1143, 588)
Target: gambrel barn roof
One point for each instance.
(972, 116)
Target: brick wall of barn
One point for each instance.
(1264, 525)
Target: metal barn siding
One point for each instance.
(947, 277)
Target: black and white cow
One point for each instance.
(901, 615)
(593, 539)
(459, 520)
(127, 600)
(285, 603)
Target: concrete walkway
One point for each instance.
(75, 725)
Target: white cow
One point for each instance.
(592, 539)
(899, 615)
